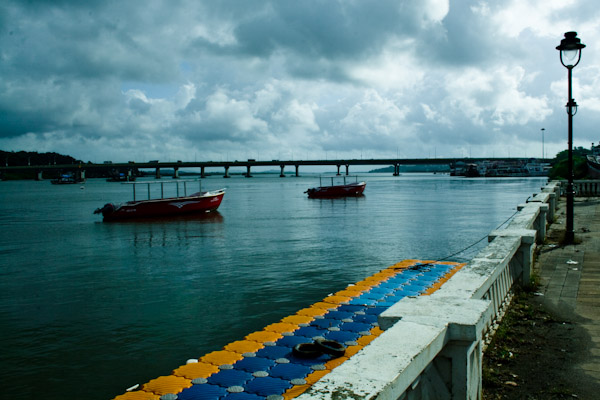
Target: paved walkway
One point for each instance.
(570, 276)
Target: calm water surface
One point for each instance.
(88, 308)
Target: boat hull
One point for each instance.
(351, 190)
(593, 162)
(193, 204)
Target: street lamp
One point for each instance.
(570, 54)
(543, 154)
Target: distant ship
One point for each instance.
(502, 169)
(66, 179)
(120, 177)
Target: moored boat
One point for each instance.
(66, 179)
(341, 190)
(199, 202)
(593, 163)
(120, 177)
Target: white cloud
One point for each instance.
(436, 10)
(539, 16)
(227, 111)
(495, 96)
(373, 117)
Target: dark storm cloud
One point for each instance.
(462, 39)
(322, 29)
(45, 39)
(316, 35)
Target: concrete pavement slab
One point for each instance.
(570, 275)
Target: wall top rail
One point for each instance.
(465, 318)
(475, 278)
(395, 360)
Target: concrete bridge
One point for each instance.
(248, 164)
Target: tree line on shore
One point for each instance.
(560, 164)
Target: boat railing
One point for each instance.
(177, 182)
(336, 178)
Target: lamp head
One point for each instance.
(571, 107)
(570, 50)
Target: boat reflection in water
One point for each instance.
(337, 190)
(196, 203)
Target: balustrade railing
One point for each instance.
(587, 188)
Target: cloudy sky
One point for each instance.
(276, 79)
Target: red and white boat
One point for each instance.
(337, 190)
(199, 202)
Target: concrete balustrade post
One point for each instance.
(540, 220)
(521, 265)
(541, 223)
(466, 365)
(552, 206)
(456, 371)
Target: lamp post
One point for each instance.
(543, 153)
(570, 54)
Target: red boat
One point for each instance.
(345, 190)
(199, 202)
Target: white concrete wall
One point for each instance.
(432, 346)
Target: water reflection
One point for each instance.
(210, 217)
(172, 231)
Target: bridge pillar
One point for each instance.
(81, 174)
(129, 173)
(157, 175)
(39, 176)
(226, 172)
(396, 169)
(282, 175)
(202, 172)
(248, 175)
(347, 169)
(297, 169)
(176, 173)
(338, 169)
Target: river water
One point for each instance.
(88, 309)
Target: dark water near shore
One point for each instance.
(88, 308)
